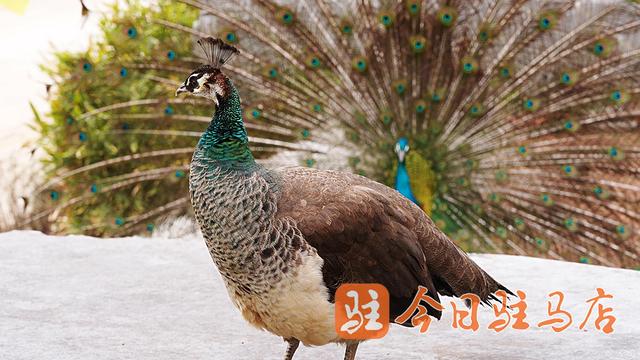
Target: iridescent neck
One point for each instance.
(225, 140)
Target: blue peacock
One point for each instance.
(414, 177)
(514, 125)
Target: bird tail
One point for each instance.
(454, 273)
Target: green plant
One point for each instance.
(112, 102)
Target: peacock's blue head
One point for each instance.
(402, 148)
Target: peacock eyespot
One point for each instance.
(469, 65)
(231, 37)
(570, 224)
(273, 73)
(598, 49)
(485, 32)
(616, 95)
(386, 118)
(359, 64)
(132, 32)
(522, 150)
(476, 110)
(123, 72)
(171, 55)
(93, 188)
(82, 136)
(615, 153)
(168, 110)
(150, 227)
(400, 88)
(566, 78)
(505, 72)
(69, 120)
(317, 108)
(179, 174)
(545, 23)
(447, 16)
(87, 67)
(285, 16)
(255, 113)
(531, 104)
(314, 62)
(346, 29)
(386, 18)
(119, 221)
(54, 195)
(418, 44)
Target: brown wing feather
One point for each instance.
(367, 232)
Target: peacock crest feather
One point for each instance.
(522, 115)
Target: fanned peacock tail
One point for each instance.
(522, 116)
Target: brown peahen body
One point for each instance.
(284, 240)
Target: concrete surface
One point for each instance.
(137, 298)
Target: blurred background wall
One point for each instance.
(30, 31)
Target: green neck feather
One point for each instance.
(225, 140)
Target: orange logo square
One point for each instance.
(362, 311)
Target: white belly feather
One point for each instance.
(296, 307)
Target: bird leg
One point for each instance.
(350, 353)
(291, 348)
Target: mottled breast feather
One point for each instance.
(368, 232)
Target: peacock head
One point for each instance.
(402, 148)
(207, 80)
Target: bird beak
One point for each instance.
(181, 90)
(401, 155)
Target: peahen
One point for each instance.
(522, 117)
(284, 240)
